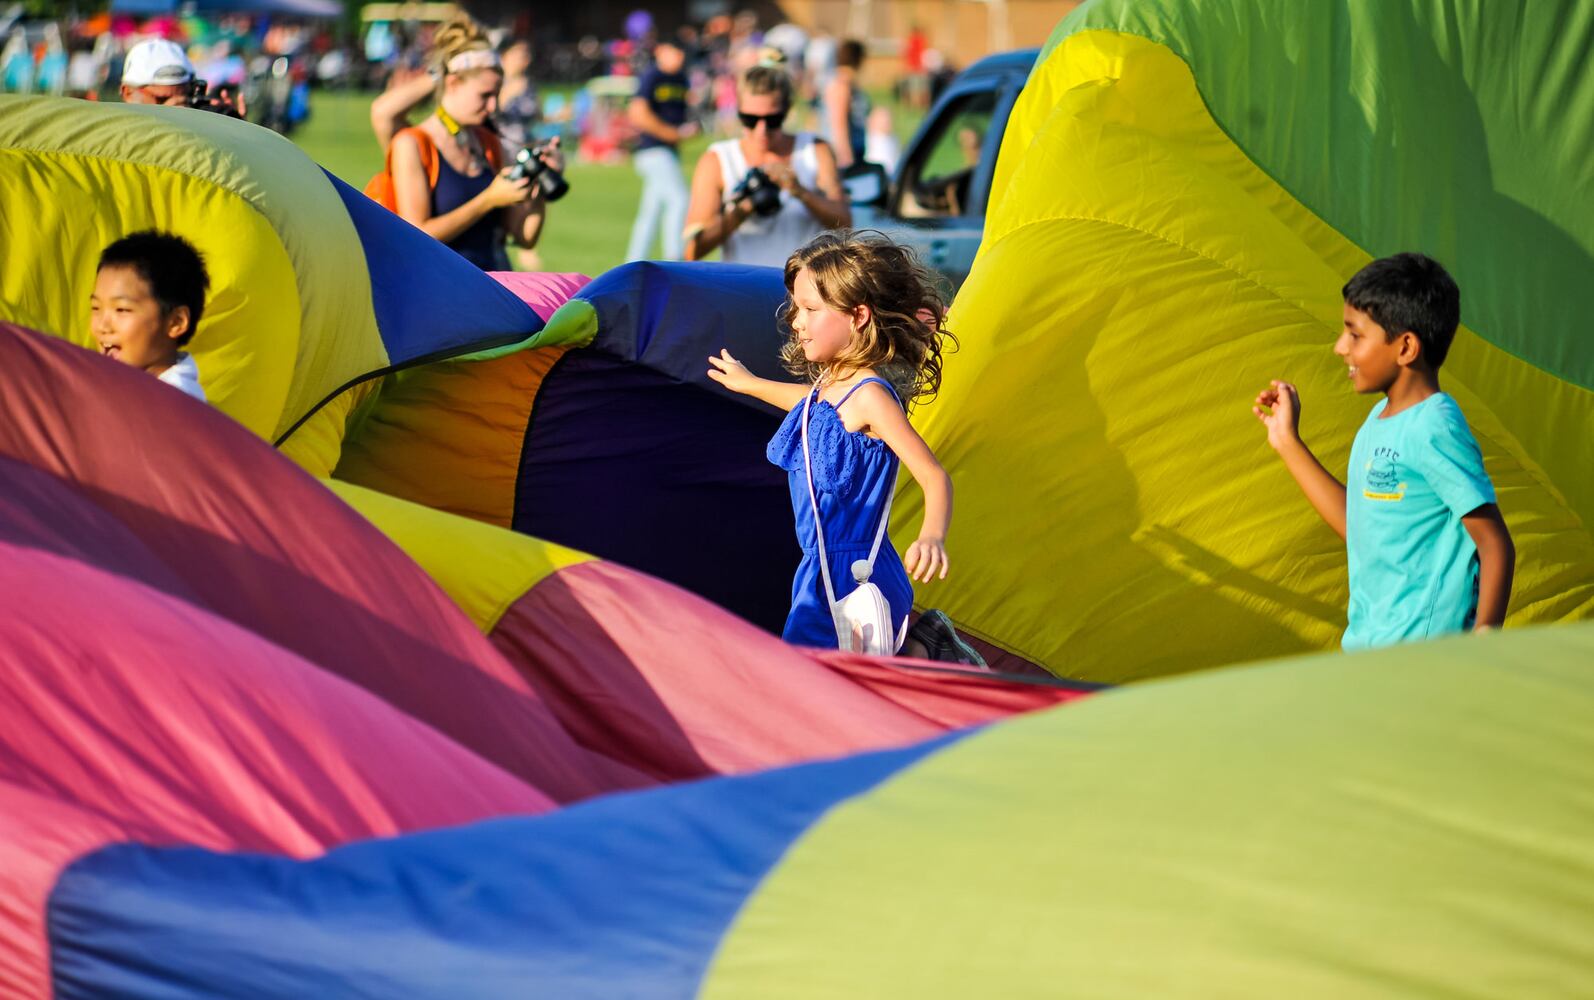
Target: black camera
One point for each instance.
(528, 163)
(223, 101)
(760, 190)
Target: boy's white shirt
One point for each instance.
(184, 375)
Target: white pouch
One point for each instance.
(863, 617)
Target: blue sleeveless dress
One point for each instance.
(853, 476)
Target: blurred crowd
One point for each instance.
(600, 75)
(271, 61)
(578, 88)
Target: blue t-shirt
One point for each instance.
(1413, 567)
(666, 97)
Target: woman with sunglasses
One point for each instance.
(804, 167)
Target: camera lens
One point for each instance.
(526, 164)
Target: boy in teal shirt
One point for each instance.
(1428, 551)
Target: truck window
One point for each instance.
(940, 177)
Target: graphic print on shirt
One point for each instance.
(1382, 478)
(665, 92)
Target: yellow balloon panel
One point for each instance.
(1409, 822)
(1119, 514)
(290, 317)
(245, 342)
(483, 568)
(316, 444)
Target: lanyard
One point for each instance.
(460, 136)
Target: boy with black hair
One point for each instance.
(149, 295)
(1427, 548)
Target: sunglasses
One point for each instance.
(772, 122)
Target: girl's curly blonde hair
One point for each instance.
(907, 314)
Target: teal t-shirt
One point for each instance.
(1413, 567)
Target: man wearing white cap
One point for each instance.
(157, 71)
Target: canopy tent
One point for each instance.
(291, 8)
(408, 11)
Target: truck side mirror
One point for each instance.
(865, 184)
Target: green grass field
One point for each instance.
(587, 230)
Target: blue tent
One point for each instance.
(291, 8)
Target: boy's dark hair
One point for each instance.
(850, 53)
(173, 268)
(1409, 292)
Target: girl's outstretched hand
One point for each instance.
(926, 560)
(730, 373)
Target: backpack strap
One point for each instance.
(492, 150)
(428, 151)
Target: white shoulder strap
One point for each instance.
(819, 528)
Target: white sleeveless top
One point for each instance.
(770, 240)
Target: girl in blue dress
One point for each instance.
(867, 325)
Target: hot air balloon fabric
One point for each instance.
(354, 343)
(1183, 188)
(434, 657)
(1404, 822)
(602, 433)
(206, 646)
(314, 290)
